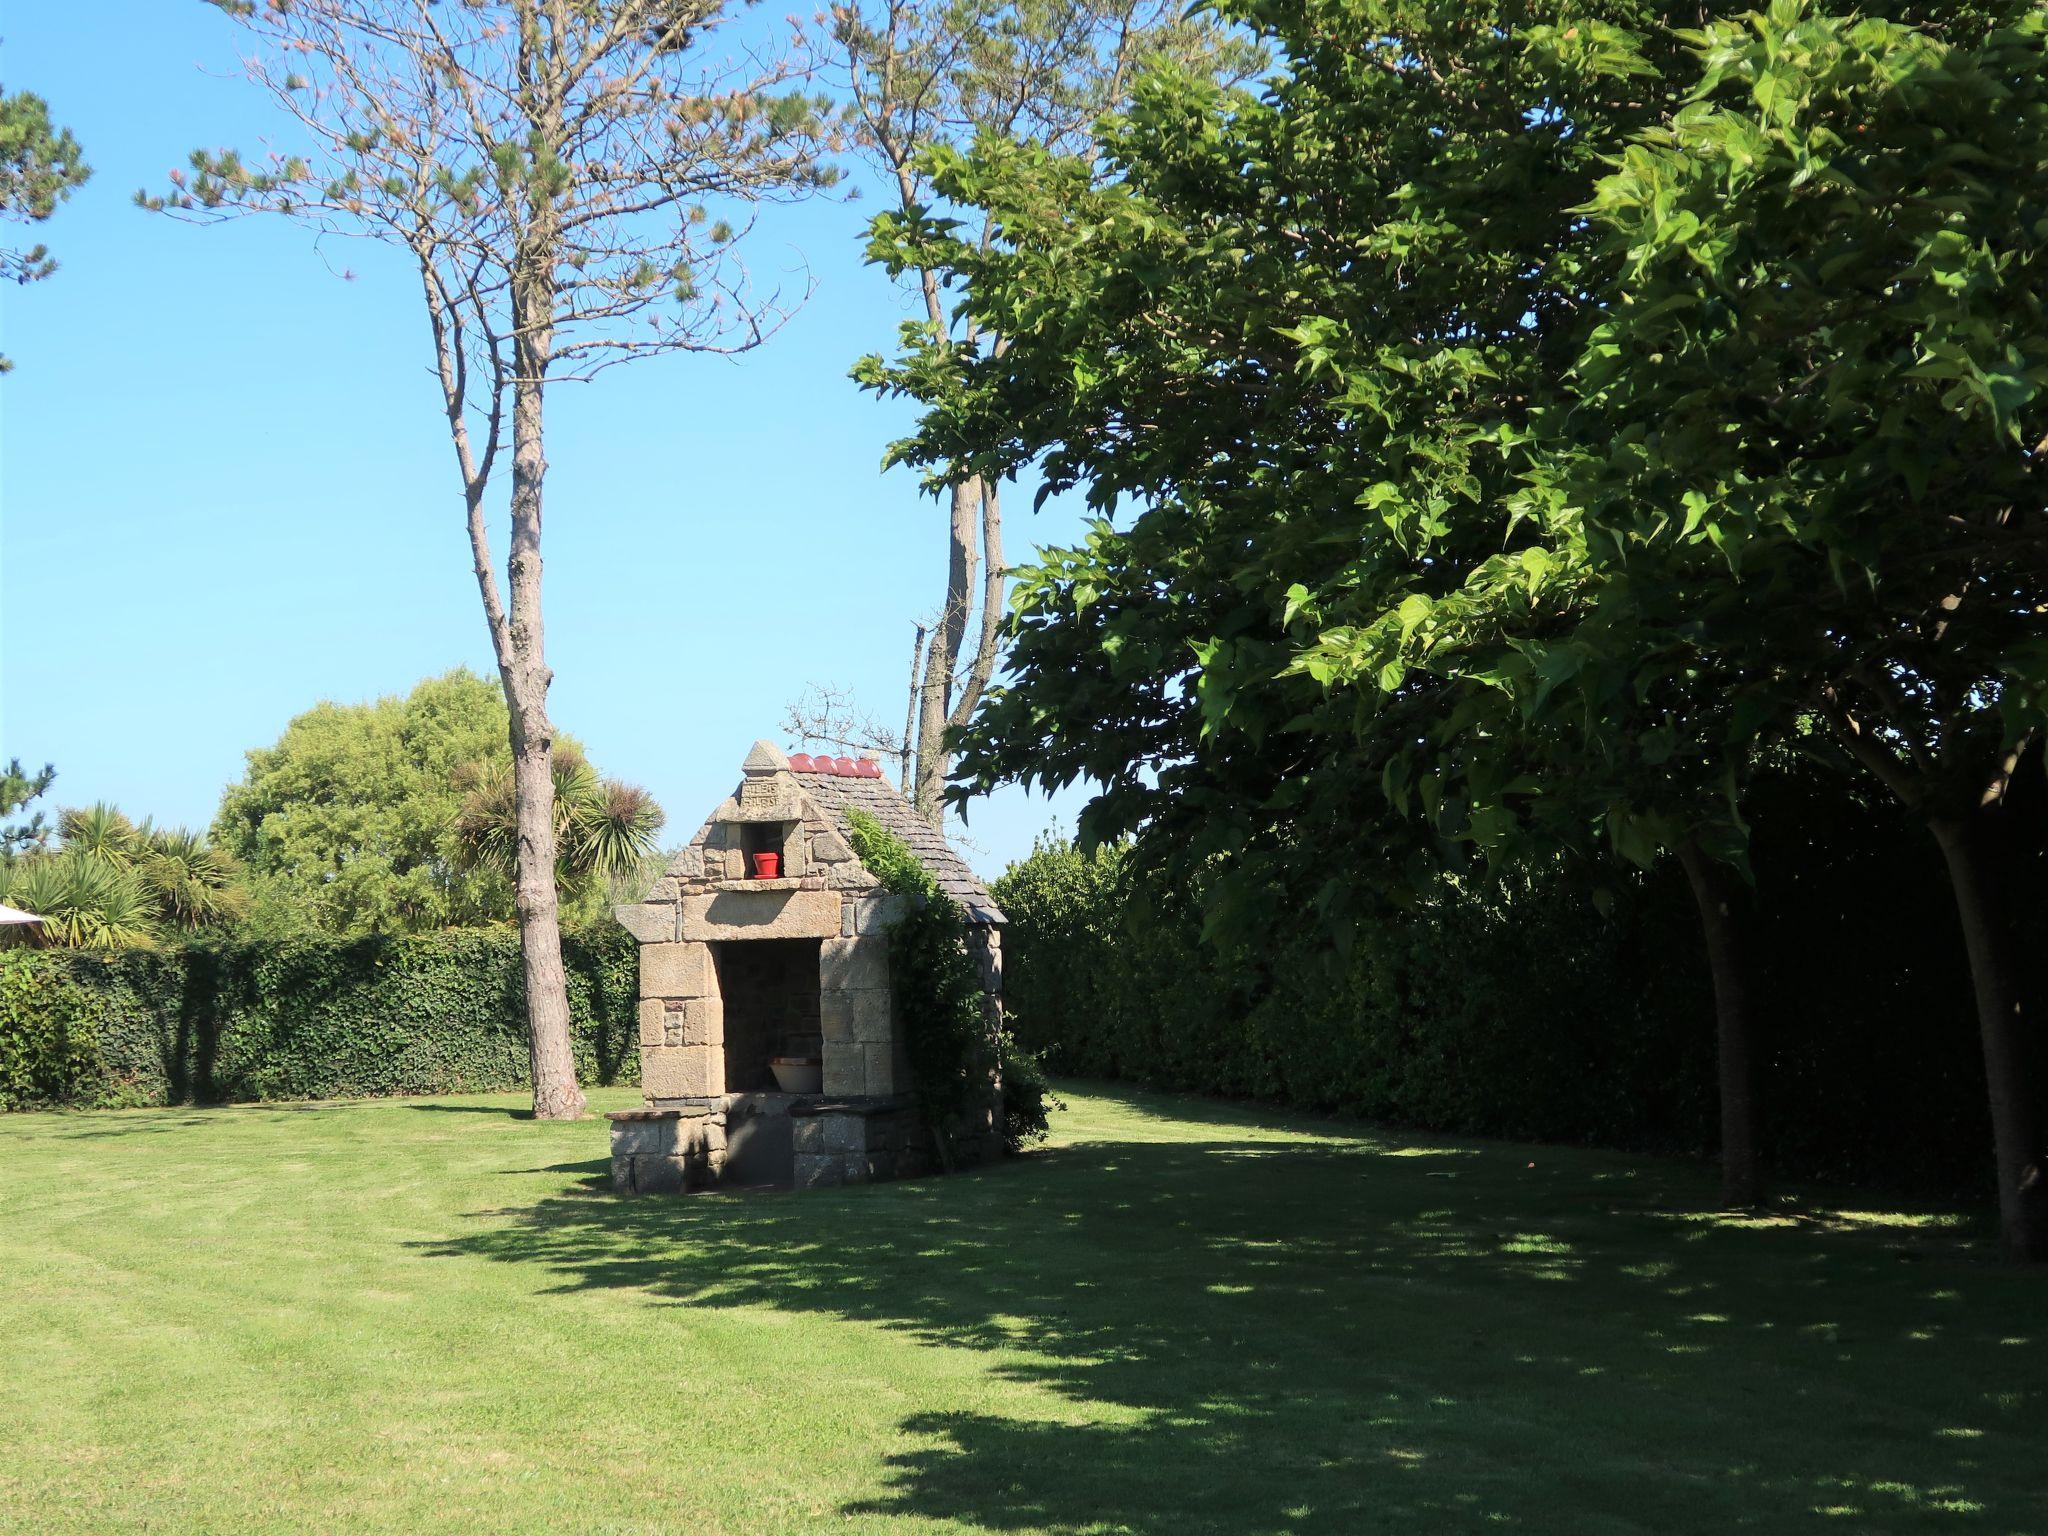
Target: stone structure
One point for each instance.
(752, 983)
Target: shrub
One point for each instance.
(304, 1019)
(955, 1049)
(1526, 1010)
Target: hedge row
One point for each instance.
(1536, 1012)
(309, 1019)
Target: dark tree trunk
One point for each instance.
(1974, 847)
(1723, 903)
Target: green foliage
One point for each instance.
(1482, 416)
(1565, 1005)
(1303, 335)
(40, 167)
(18, 789)
(84, 902)
(114, 885)
(1802, 446)
(392, 817)
(604, 829)
(307, 1019)
(48, 1049)
(956, 1051)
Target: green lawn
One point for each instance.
(431, 1316)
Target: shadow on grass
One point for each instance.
(1329, 1336)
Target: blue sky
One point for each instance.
(225, 494)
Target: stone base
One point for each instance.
(667, 1151)
(739, 1139)
(858, 1141)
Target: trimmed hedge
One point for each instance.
(1528, 1012)
(308, 1019)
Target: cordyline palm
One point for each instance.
(150, 879)
(603, 828)
(84, 902)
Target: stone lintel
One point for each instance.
(771, 810)
(747, 914)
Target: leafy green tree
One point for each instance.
(928, 73)
(1308, 335)
(1325, 345)
(364, 818)
(1298, 334)
(1800, 466)
(40, 167)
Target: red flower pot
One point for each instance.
(767, 866)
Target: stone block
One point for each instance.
(653, 1021)
(845, 919)
(677, 970)
(846, 1069)
(877, 914)
(861, 1015)
(643, 1138)
(704, 1139)
(807, 1133)
(651, 922)
(835, 1015)
(664, 1176)
(761, 915)
(679, 1071)
(819, 1170)
(761, 808)
(845, 1133)
(874, 1018)
(851, 965)
(687, 865)
(879, 1067)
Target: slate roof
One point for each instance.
(840, 792)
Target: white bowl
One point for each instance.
(798, 1074)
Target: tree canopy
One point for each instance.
(352, 822)
(1511, 424)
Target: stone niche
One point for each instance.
(738, 971)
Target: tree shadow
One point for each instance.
(1343, 1334)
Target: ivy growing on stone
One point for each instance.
(957, 1052)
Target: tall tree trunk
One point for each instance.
(523, 666)
(522, 652)
(1723, 905)
(942, 656)
(1973, 847)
